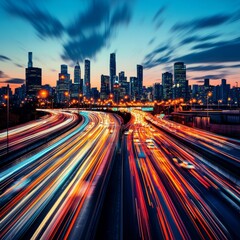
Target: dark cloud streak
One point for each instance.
(14, 81)
(4, 58)
(3, 75)
(44, 24)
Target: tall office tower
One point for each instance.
(63, 85)
(140, 81)
(180, 87)
(30, 63)
(112, 72)
(134, 88)
(95, 94)
(224, 91)
(87, 84)
(33, 78)
(64, 69)
(157, 92)
(121, 77)
(167, 83)
(104, 90)
(77, 73)
(195, 91)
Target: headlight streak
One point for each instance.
(158, 179)
(69, 177)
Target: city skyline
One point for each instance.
(155, 38)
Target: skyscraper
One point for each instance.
(134, 88)
(112, 72)
(224, 91)
(63, 85)
(77, 73)
(33, 78)
(180, 87)
(104, 91)
(87, 84)
(157, 92)
(167, 83)
(140, 80)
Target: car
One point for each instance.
(187, 165)
(149, 140)
(177, 160)
(150, 145)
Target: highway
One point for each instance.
(156, 180)
(23, 136)
(58, 191)
(174, 192)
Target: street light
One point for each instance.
(229, 100)
(209, 94)
(219, 101)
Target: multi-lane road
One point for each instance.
(168, 182)
(175, 192)
(58, 191)
(18, 139)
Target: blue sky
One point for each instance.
(204, 34)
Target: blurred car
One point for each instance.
(150, 145)
(177, 160)
(187, 165)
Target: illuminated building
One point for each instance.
(167, 83)
(112, 72)
(87, 83)
(33, 78)
(180, 87)
(63, 85)
(140, 81)
(104, 90)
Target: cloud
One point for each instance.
(14, 81)
(3, 75)
(19, 65)
(153, 59)
(158, 13)
(202, 23)
(44, 24)
(151, 41)
(212, 77)
(4, 58)
(84, 47)
(157, 18)
(212, 67)
(101, 18)
(95, 16)
(95, 28)
(222, 52)
(195, 38)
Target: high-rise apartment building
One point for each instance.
(63, 88)
(104, 91)
(140, 81)
(157, 92)
(77, 73)
(180, 87)
(134, 88)
(87, 83)
(112, 70)
(167, 83)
